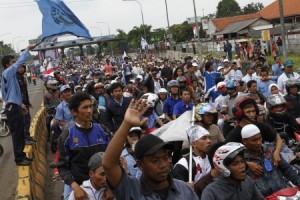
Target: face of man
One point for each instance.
(238, 168)
(264, 75)
(11, 62)
(186, 96)
(66, 95)
(294, 90)
(253, 143)
(208, 118)
(21, 70)
(84, 112)
(250, 70)
(132, 138)
(98, 178)
(156, 167)
(253, 88)
(117, 93)
(277, 60)
(203, 144)
(250, 112)
(274, 90)
(174, 90)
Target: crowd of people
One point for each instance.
(105, 111)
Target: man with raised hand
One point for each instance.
(153, 159)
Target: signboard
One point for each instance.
(204, 24)
(191, 20)
(196, 31)
(265, 34)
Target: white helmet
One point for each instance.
(151, 99)
(162, 91)
(225, 155)
(52, 84)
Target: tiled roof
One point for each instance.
(290, 8)
(221, 23)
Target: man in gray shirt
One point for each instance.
(153, 159)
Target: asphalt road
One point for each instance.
(8, 169)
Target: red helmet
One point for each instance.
(240, 103)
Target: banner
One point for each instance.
(144, 44)
(175, 130)
(58, 19)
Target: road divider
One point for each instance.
(32, 179)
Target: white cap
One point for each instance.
(249, 131)
(196, 132)
(225, 60)
(221, 84)
(140, 77)
(135, 129)
(195, 65)
(220, 67)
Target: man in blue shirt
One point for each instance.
(264, 84)
(63, 113)
(183, 105)
(172, 100)
(11, 94)
(277, 68)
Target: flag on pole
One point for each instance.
(58, 19)
(144, 44)
(175, 130)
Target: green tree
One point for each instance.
(252, 8)
(135, 35)
(228, 8)
(5, 49)
(182, 32)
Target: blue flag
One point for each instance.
(58, 19)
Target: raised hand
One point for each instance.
(134, 112)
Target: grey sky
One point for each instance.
(22, 18)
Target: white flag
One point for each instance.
(144, 44)
(124, 55)
(175, 130)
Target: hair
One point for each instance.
(265, 69)
(185, 90)
(76, 100)
(6, 59)
(218, 80)
(258, 65)
(189, 65)
(115, 86)
(175, 72)
(207, 65)
(249, 83)
(240, 82)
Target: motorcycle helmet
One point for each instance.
(231, 85)
(181, 79)
(172, 83)
(162, 91)
(77, 87)
(240, 103)
(290, 83)
(151, 99)
(276, 100)
(224, 156)
(203, 108)
(52, 84)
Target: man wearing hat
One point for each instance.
(153, 159)
(200, 139)
(96, 187)
(63, 113)
(267, 177)
(250, 69)
(287, 75)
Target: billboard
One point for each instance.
(191, 20)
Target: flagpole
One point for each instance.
(191, 149)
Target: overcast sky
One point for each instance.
(23, 20)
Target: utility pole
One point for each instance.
(283, 35)
(198, 30)
(167, 13)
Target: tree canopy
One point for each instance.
(252, 8)
(228, 8)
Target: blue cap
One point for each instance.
(288, 63)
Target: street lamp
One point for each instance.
(142, 15)
(167, 17)
(98, 29)
(106, 25)
(1, 53)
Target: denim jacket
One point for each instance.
(272, 178)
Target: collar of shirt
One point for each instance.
(147, 190)
(120, 103)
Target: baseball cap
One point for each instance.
(288, 63)
(149, 144)
(196, 132)
(95, 161)
(64, 87)
(195, 65)
(249, 67)
(226, 60)
(249, 131)
(220, 67)
(221, 85)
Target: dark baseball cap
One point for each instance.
(154, 69)
(95, 161)
(149, 144)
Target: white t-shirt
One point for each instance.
(202, 165)
(282, 80)
(247, 77)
